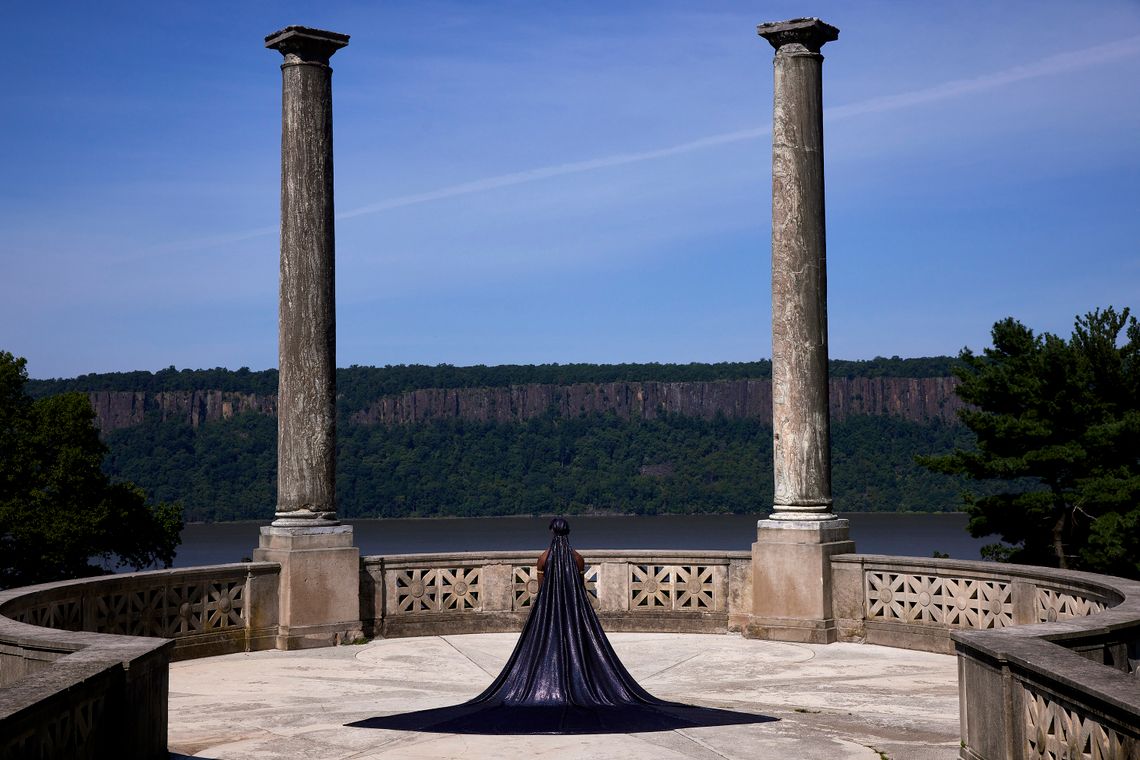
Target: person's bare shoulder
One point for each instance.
(580, 562)
(541, 564)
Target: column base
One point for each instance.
(791, 629)
(318, 636)
(319, 588)
(812, 516)
(305, 519)
(791, 579)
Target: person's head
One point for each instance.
(559, 526)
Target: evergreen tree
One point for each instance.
(1057, 425)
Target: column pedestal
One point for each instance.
(791, 579)
(319, 592)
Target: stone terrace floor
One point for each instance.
(836, 702)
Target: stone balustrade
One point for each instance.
(915, 603)
(422, 594)
(1047, 659)
(84, 663)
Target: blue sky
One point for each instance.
(523, 182)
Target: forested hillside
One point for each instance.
(226, 470)
(358, 386)
(560, 456)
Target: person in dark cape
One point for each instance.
(563, 657)
(563, 676)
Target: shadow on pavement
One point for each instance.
(502, 720)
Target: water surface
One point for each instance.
(916, 535)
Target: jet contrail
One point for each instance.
(559, 170)
(1055, 64)
(1061, 63)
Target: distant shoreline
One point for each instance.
(556, 514)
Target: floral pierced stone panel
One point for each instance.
(225, 605)
(938, 600)
(459, 588)
(1053, 605)
(185, 605)
(139, 612)
(671, 587)
(64, 615)
(526, 585)
(199, 607)
(439, 589)
(159, 611)
(1057, 732)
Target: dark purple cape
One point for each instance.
(563, 657)
(562, 678)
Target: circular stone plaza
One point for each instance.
(799, 648)
(828, 702)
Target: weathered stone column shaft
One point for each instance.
(306, 437)
(800, 411)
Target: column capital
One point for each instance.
(810, 33)
(300, 44)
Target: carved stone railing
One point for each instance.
(1047, 659)
(84, 663)
(420, 594)
(206, 610)
(915, 603)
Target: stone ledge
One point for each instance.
(592, 556)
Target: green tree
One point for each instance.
(60, 515)
(1057, 425)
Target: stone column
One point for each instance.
(306, 395)
(801, 422)
(319, 599)
(791, 557)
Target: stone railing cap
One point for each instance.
(496, 557)
(1055, 664)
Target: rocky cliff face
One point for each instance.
(916, 399)
(120, 409)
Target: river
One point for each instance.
(916, 535)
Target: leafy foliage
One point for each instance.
(1057, 425)
(589, 464)
(226, 470)
(58, 510)
(169, 379)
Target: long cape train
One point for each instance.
(562, 678)
(563, 657)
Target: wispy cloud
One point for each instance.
(559, 170)
(1062, 63)
(1053, 65)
